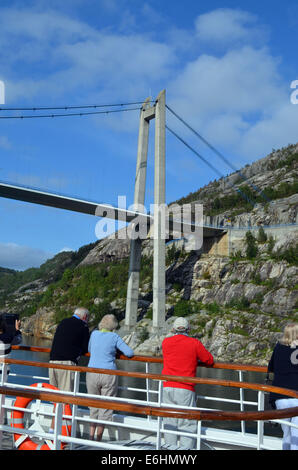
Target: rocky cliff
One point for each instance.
(237, 304)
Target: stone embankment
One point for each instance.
(236, 337)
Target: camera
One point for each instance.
(10, 318)
(10, 321)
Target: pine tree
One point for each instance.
(262, 237)
(251, 246)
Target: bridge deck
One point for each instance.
(35, 196)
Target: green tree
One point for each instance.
(271, 243)
(262, 237)
(183, 308)
(251, 246)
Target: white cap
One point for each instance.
(181, 324)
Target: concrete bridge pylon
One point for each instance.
(147, 113)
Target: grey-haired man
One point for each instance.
(69, 344)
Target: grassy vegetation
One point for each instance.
(290, 255)
(52, 269)
(288, 162)
(79, 287)
(241, 303)
(245, 198)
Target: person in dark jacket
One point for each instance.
(69, 344)
(8, 337)
(284, 365)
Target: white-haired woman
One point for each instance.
(284, 365)
(103, 346)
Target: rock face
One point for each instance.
(237, 306)
(270, 286)
(112, 249)
(40, 325)
(108, 249)
(280, 211)
(236, 337)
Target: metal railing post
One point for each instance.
(199, 434)
(241, 391)
(159, 419)
(58, 426)
(147, 387)
(2, 372)
(2, 400)
(3, 375)
(260, 425)
(75, 408)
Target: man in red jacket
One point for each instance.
(181, 355)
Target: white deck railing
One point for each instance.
(143, 429)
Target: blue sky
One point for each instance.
(226, 66)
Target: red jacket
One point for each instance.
(181, 354)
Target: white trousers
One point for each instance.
(290, 437)
(185, 398)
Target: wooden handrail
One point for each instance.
(146, 410)
(161, 377)
(159, 360)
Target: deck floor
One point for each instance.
(7, 441)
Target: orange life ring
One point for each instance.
(17, 422)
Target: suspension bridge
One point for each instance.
(148, 112)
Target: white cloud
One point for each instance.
(225, 97)
(237, 99)
(225, 26)
(231, 97)
(66, 248)
(243, 80)
(19, 257)
(68, 56)
(42, 26)
(275, 131)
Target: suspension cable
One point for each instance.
(32, 116)
(43, 108)
(210, 165)
(219, 154)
